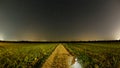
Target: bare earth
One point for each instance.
(60, 58)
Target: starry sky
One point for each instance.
(38, 20)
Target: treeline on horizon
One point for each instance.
(94, 41)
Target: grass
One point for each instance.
(34, 55)
(96, 55)
(24, 55)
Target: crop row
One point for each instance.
(96, 55)
(17, 55)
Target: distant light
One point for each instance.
(1, 38)
(116, 34)
(118, 37)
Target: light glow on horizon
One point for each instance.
(1, 37)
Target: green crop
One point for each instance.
(96, 55)
(24, 55)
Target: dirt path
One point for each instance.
(60, 58)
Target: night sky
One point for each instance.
(40, 20)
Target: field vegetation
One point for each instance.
(24, 55)
(39, 55)
(96, 55)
